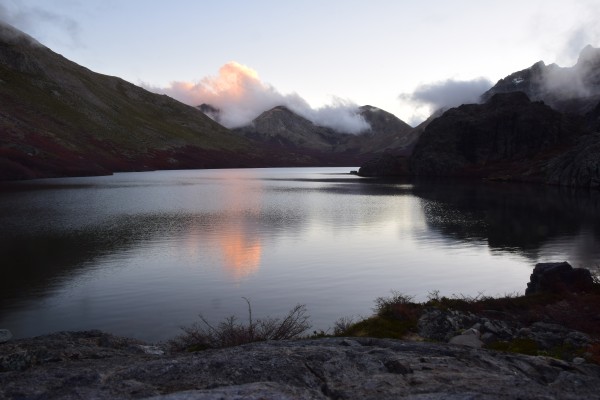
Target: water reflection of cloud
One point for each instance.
(230, 236)
(241, 254)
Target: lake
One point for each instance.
(141, 254)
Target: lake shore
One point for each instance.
(421, 365)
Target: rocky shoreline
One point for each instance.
(97, 365)
(450, 353)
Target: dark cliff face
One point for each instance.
(579, 166)
(498, 137)
(537, 124)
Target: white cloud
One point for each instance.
(427, 98)
(240, 95)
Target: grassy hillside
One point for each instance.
(58, 118)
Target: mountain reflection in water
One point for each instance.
(529, 220)
(143, 253)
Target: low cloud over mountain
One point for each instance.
(240, 95)
(444, 94)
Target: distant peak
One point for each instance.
(205, 107)
(211, 111)
(281, 108)
(540, 65)
(279, 112)
(589, 54)
(369, 107)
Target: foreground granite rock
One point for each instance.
(100, 366)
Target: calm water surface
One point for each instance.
(141, 254)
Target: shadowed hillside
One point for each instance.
(60, 119)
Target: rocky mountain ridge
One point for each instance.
(61, 119)
(283, 127)
(537, 125)
(573, 89)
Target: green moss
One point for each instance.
(530, 347)
(564, 352)
(381, 327)
(521, 346)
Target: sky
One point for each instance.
(320, 58)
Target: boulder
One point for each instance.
(548, 336)
(559, 277)
(442, 325)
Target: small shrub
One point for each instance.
(230, 332)
(342, 325)
(398, 306)
(395, 317)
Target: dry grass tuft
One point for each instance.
(230, 332)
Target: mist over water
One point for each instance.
(141, 254)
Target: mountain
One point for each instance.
(387, 132)
(541, 124)
(383, 123)
(501, 137)
(210, 111)
(508, 138)
(573, 89)
(61, 119)
(282, 127)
